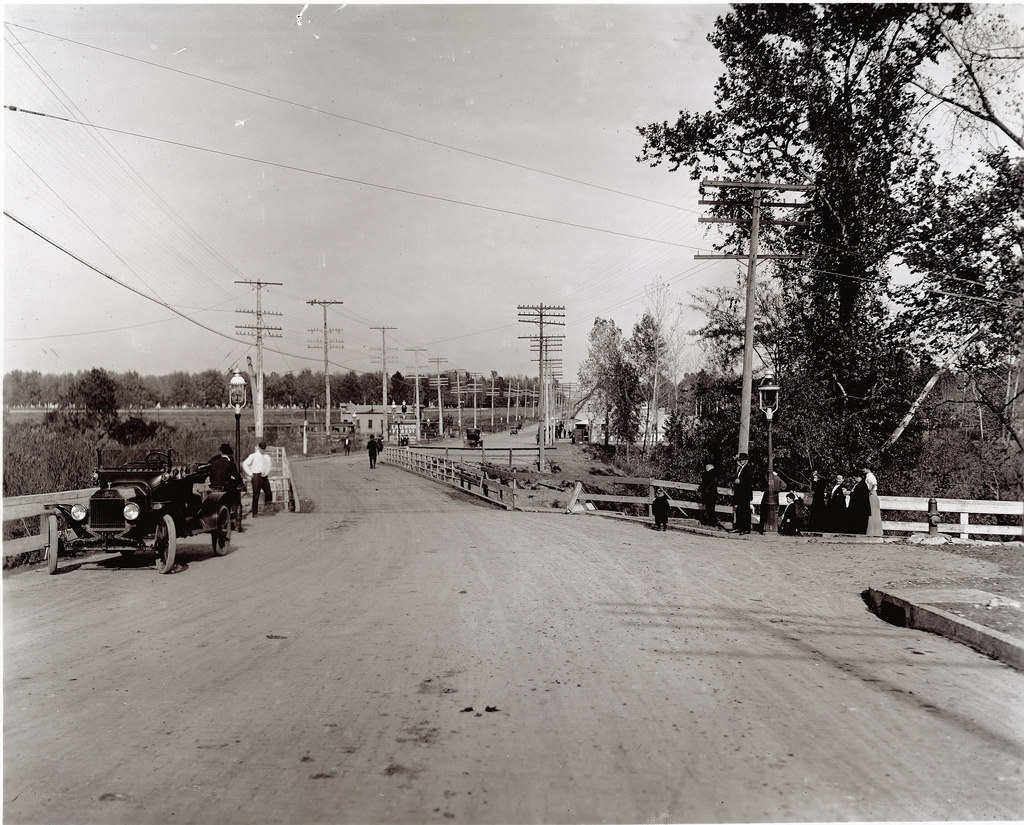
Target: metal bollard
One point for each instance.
(933, 517)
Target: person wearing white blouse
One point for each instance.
(875, 519)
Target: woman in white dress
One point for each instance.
(875, 519)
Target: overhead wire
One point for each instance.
(327, 113)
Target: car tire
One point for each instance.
(222, 534)
(53, 550)
(165, 544)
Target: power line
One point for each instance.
(356, 181)
(319, 111)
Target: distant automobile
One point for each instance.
(144, 505)
(473, 438)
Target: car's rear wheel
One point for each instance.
(165, 544)
(53, 550)
(222, 535)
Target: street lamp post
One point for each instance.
(768, 397)
(236, 398)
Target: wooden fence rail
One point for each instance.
(467, 477)
(934, 509)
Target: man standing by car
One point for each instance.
(224, 476)
(257, 466)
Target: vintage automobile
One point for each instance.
(473, 438)
(147, 504)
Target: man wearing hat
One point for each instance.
(224, 476)
(742, 493)
(257, 467)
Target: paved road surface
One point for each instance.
(403, 654)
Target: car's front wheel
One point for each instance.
(222, 535)
(165, 544)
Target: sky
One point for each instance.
(433, 167)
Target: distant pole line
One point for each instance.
(540, 315)
(261, 330)
(384, 365)
(327, 344)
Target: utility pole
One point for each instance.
(384, 364)
(261, 331)
(491, 393)
(437, 362)
(416, 356)
(327, 343)
(475, 387)
(756, 188)
(541, 315)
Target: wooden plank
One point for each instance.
(13, 547)
(624, 499)
(29, 506)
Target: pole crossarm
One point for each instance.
(761, 184)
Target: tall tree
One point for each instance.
(819, 94)
(597, 373)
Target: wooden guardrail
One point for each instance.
(446, 470)
(934, 509)
(31, 509)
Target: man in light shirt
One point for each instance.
(257, 467)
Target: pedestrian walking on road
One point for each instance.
(348, 445)
(257, 467)
(372, 450)
(707, 492)
(659, 509)
(742, 493)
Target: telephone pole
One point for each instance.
(416, 356)
(384, 364)
(541, 315)
(437, 362)
(757, 189)
(327, 344)
(261, 331)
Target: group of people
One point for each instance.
(224, 474)
(848, 505)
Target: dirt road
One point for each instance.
(405, 654)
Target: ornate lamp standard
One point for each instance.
(768, 398)
(236, 398)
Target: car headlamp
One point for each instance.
(131, 511)
(78, 512)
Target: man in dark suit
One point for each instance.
(742, 493)
(835, 509)
(860, 505)
(707, 492)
